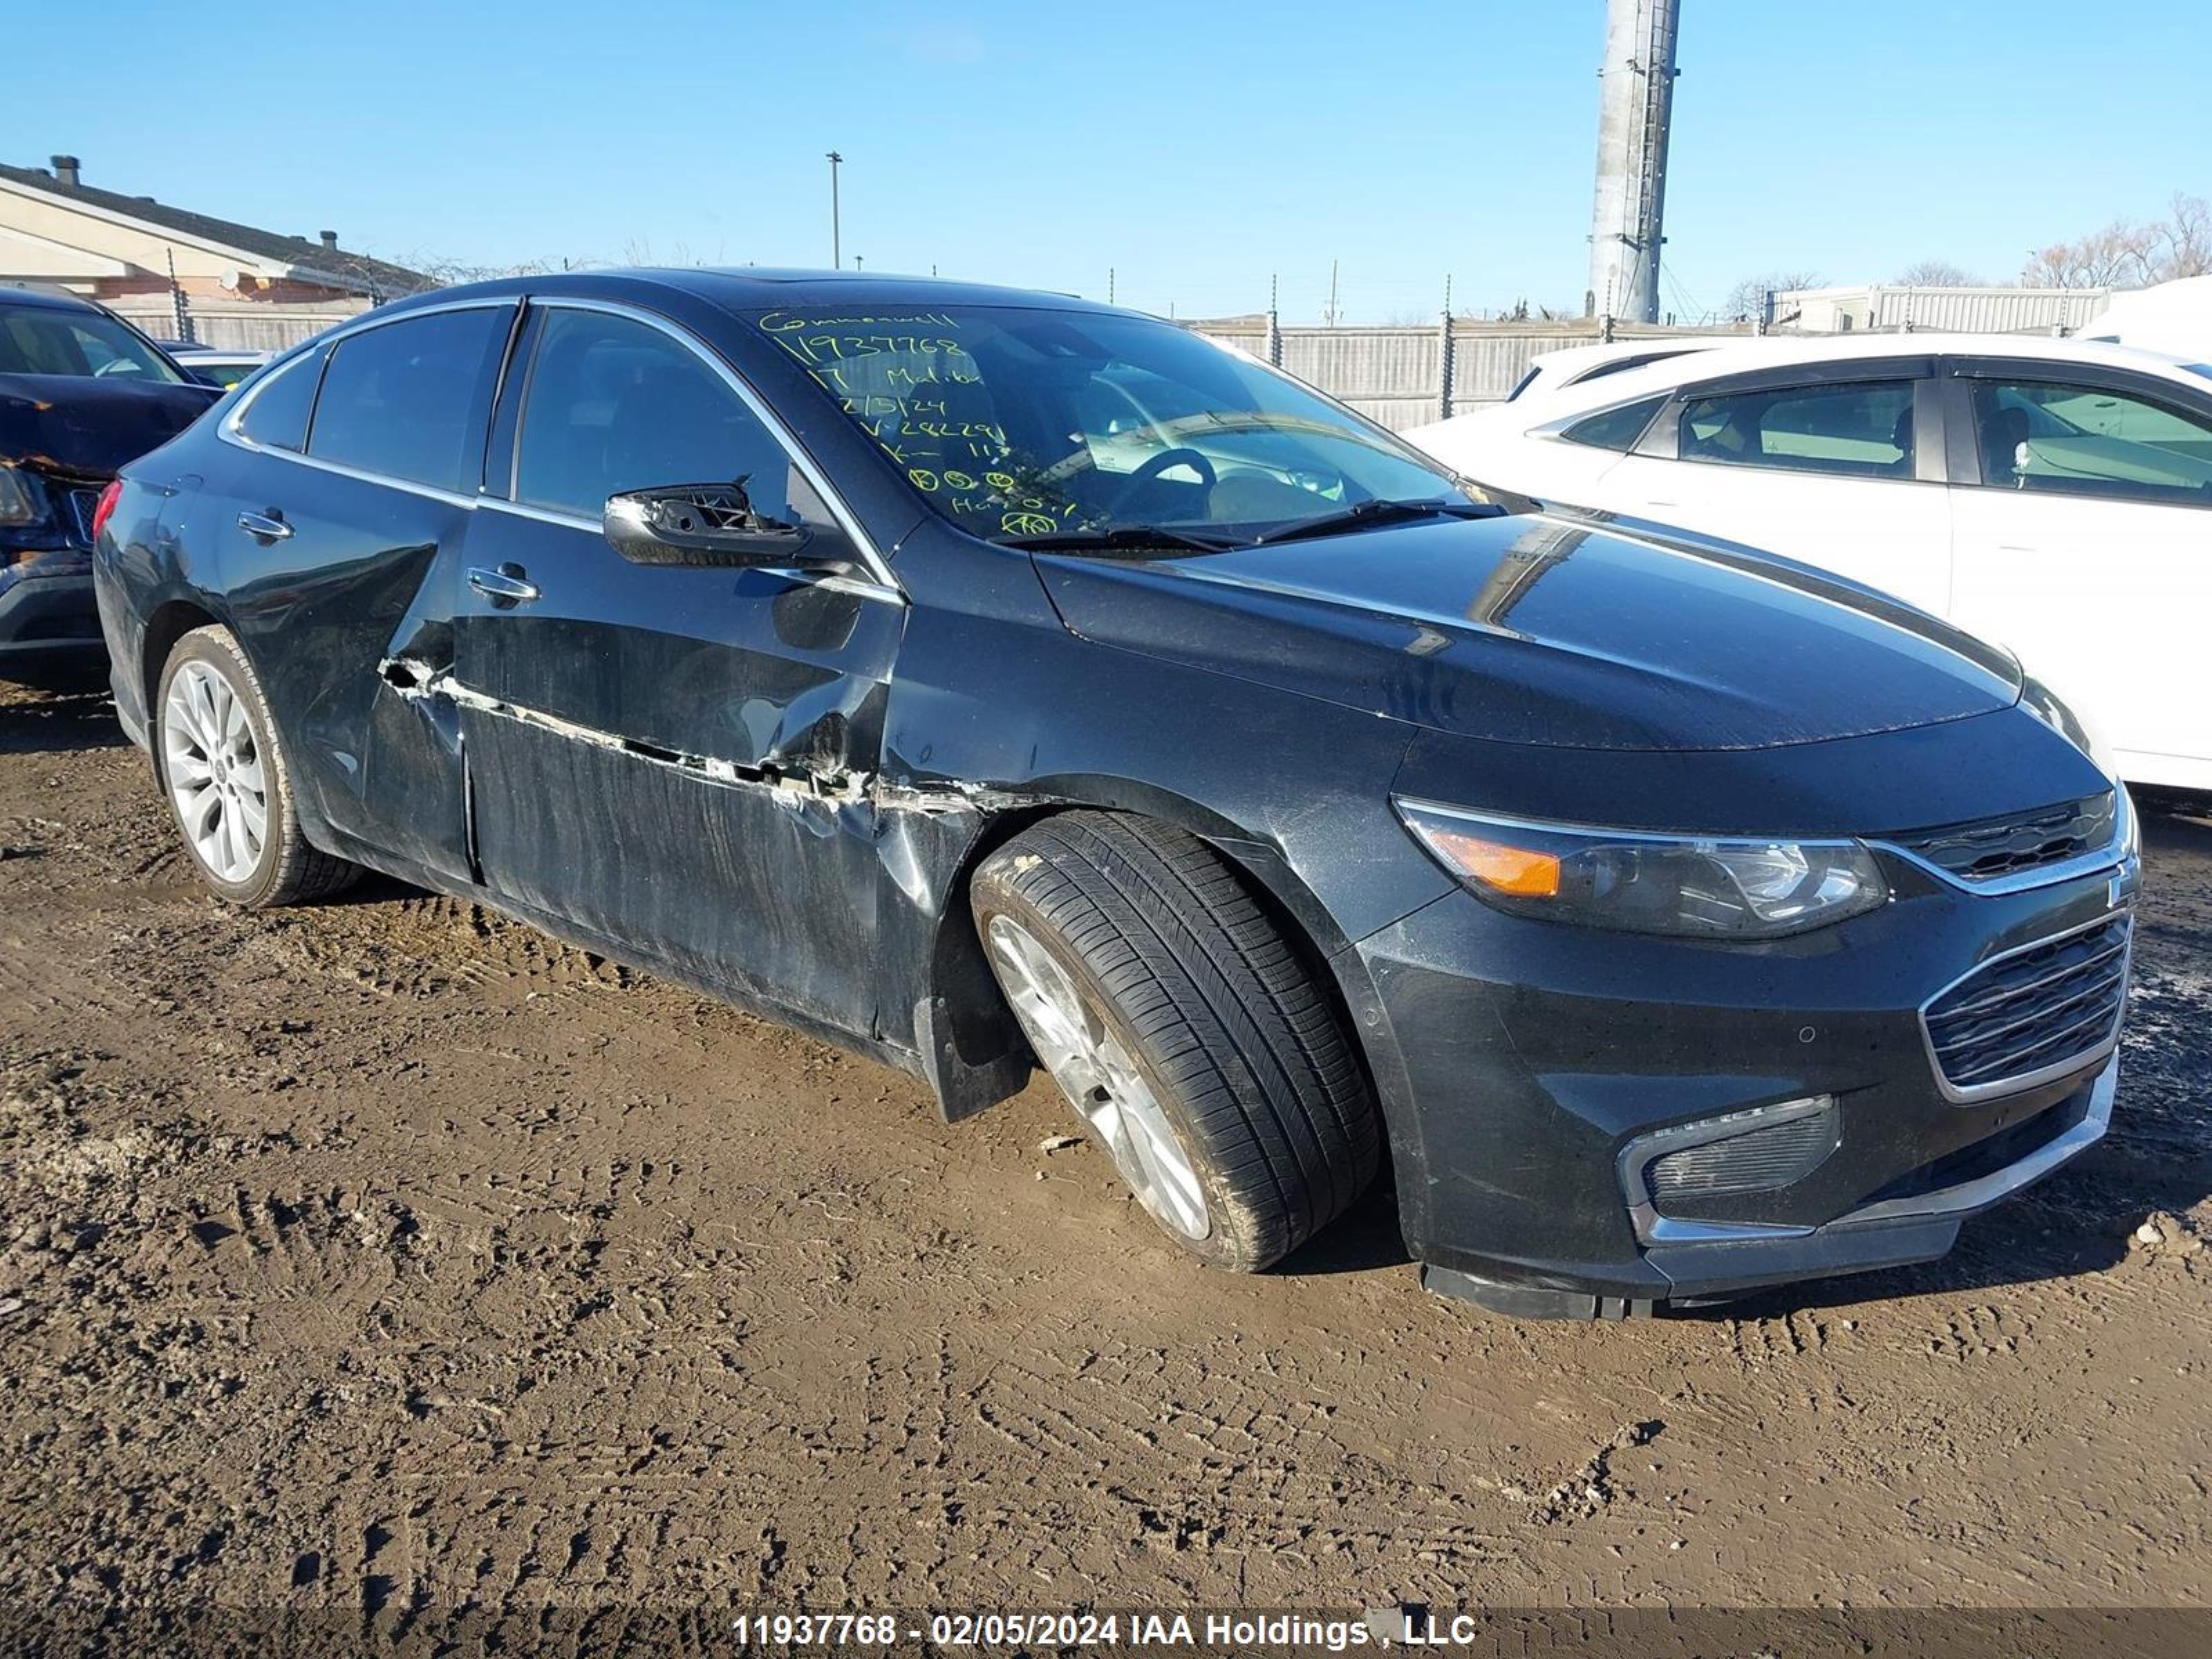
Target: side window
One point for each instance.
(1615, 429)
(401, 400)
(613, 404)
(2083, 440)
(277, 416)
(1855, 431)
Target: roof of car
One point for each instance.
(762, 287)
(1749, 356)
(45, 298)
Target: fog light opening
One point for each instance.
(1675, 1173)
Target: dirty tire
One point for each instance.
(286, 870)
(1240, 1042)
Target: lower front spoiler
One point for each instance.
(1893, 1233)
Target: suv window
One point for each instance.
(2085, 441)
(613, 404)
(1615, 429)
(1862, 430)
(400, 400)
(278, 414)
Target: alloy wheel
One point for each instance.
(1094, 1069)
(215, 771)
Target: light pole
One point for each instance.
(836, 248)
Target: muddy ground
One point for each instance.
(388, 1255)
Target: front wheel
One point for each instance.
(1189, 1032)
(229, 789)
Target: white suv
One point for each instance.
(2052, 496)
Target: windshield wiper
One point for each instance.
(1366, 515)
(1119, 538)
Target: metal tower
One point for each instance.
(1635, 106)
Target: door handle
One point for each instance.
(264, 527)
(504, 586)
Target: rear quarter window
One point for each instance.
(1615, 429)
(277, 414)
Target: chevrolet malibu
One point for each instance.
(982, 679)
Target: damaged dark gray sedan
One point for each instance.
(978, 678)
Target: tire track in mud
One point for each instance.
(379, 1256)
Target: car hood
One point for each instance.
(80, 428)
(1557, 630)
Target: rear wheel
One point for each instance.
(1189, 1032)
(224, 774)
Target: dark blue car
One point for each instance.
(980, 678)
(81, 392)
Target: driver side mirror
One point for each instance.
(705, 525)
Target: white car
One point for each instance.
(2052, 496)
(2175, 317)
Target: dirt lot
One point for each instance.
(388, 1255)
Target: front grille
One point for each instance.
(1990, 847)
(78, 506)
(2031, 1013)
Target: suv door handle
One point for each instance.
(264, 527)
(504, 586)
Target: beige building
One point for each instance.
(175, 272)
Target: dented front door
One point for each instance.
(677, 760)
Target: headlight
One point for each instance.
(21, 501)
(1691, 886)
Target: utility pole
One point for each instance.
(1636, 105)
(1109, 285)
(1332, 294)
(836, 245)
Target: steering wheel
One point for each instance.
(1161, 463)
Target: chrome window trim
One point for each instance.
(1973, 1094)
(879, 584)
(2113, 854)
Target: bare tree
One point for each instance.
(1749, 297)
(2126, 255)
(1936, 273)
(2181, 243)
(2116, 256)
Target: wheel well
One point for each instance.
(960, 976)
(168, 625)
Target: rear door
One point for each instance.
(671, 758)
(1827, 465)
(340, 532)
(2082, 538)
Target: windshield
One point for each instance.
(1017, 423)
(34, 340)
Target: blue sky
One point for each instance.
(1195, 148)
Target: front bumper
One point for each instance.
(1529, 1057)
(46, 609)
